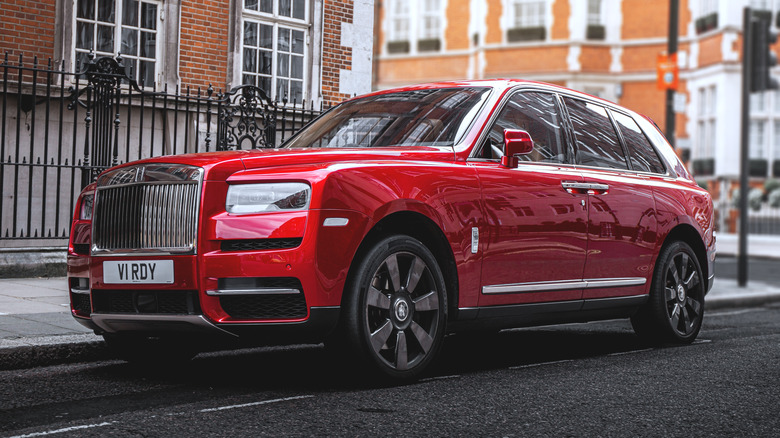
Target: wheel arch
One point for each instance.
(424, 229)
(688, 234)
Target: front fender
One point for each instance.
(448, 195)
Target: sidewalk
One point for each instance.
(758, 245)
(32, 309)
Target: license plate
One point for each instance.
(138, 271)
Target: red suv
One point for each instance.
(394, 219)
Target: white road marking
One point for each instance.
(264, 402)
(702, 341)
(733, 312)
(64, 430)
(518, 367)
(623, 353)
(428, 379)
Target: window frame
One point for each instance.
(615, 129)
(565, 134)
(516, 20)
(628, 148)
(159, 31)
(393, 16)
(706, 121)
(568, 131)
(416, 40)
(276, 21)
(707, 7)
(524, 28)
(422, 32)
(596, 18)
(275, 10)
(765, 111)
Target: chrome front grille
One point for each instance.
(146, 216)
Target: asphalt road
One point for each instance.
(574, 380)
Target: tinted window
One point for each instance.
(641, 153)
(536, 113)
(431, 117)
(597, 141)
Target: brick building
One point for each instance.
(606, 48)
(313, 50)
(58, 130)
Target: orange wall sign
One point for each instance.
(668, 72)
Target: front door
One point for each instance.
(535, 240)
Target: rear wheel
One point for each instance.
(396, 309)
(675, 309)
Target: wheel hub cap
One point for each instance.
(401, 308)
(680, 293)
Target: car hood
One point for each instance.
(220, 165)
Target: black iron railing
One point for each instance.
(59, 129)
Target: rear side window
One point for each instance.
(536, 113)
(640, 152)
(596, 139)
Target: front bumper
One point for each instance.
(321, 322)
(233, 270)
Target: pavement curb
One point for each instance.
(31, 356)
(740, 301)
(32, 262)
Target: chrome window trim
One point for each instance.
(571, 148)
(545, 286)
(658, 154)
(611, 106)
(510, 92)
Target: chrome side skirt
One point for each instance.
(545, 286)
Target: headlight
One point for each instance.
(257, 198)
(85, 212)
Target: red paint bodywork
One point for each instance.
(531, 230)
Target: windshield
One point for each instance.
(432, 117)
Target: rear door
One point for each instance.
(621, 209)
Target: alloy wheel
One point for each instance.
(401, 311)
(683, 294)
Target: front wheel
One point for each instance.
(675, 309)
(397, 307)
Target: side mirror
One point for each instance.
(516, 142)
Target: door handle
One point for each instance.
(585, 188)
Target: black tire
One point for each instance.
(150, 351)
(675, 308)
(396, 308)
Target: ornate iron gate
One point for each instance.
(59, 130)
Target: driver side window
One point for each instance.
(536, 113)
